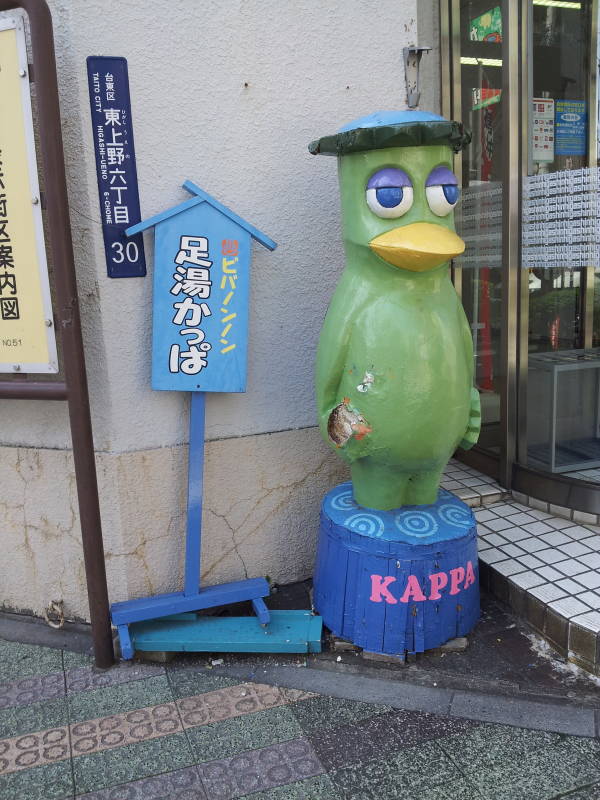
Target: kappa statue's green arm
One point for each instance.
(471, 435)
(341, 426)
(331, 357)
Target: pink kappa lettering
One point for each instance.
(438, 581)
(470, 578)
(413, 591)
(379, 590)
(457, 576)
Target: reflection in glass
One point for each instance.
(558, 216)
(479, 215)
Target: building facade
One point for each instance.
(227, 95)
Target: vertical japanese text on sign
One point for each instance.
(27, 339)
(112, 130)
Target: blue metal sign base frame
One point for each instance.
(166, 617)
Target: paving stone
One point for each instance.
(534, 776)
(486, 746)
(119, 730)
(183, 784)
(319, 713)
(32, 690)
(48, 782)
(251, 732)
(187, 682)
(71, 659)
(119, 699)
(34, 749)
(81, 679)
(233, 701)
(589, 793)
(259, 770)
(413, 772)
(318, 788)
(379, 736)
(130, 763)
(35, 717)
(18, 661)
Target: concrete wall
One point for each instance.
(227, 94)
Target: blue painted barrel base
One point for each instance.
(397, 581)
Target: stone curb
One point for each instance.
(552, 717)
(73, 636)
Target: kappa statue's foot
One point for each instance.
(383, 487)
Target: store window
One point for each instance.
(563, 370)
(480, 214)
(539, 374)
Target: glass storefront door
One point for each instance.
(539, 374)
(562, 373)
(479, 217)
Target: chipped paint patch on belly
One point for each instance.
(367, 380)
(345, 422)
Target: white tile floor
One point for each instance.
(552, 558)
(471, 486)
(555, 559)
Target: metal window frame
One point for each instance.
(511, 234)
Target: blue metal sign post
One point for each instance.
(199, 345)
(112, 130)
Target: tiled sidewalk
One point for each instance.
(473, 487)
(182, 733)
(547, 569)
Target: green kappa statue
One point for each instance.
(395, 391)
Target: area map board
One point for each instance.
(27, 338)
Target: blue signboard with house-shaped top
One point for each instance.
(201, 292)
(199, 345)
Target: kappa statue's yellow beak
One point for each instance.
(418, 247)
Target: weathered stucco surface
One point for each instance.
(227, 94)
(261, 508)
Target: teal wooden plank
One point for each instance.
(288, 632)
(315, 633)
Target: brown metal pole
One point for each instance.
(33, 390)
(68, 320)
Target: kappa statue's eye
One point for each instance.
(389, 193)
(442, 191)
